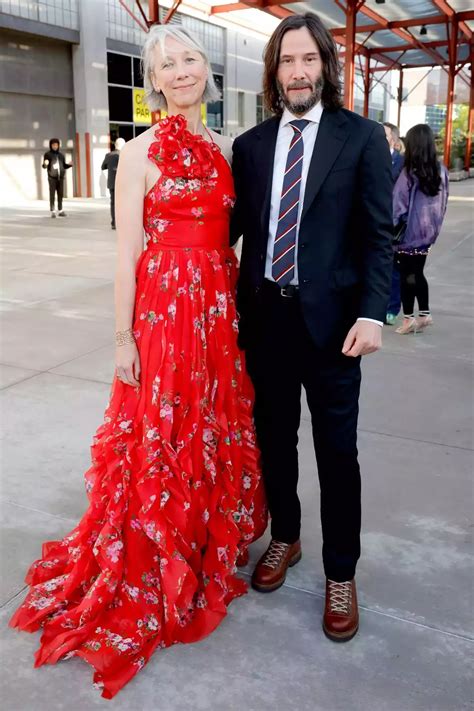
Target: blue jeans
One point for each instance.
(395, 301)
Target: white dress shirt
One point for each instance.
(285, 134)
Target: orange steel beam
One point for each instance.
(453, 35)
(470, 119)
(153, 12)
(368, 12)
(427, 45)
(449, 12)
(153, 17)
(349, 63)
(414, 22)
(171, 11)
(376, 27)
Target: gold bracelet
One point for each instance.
(124, 337)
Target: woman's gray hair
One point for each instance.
(156, 37)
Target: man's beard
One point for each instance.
(302, 106)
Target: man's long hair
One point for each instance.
(421, 158)
(331, 95)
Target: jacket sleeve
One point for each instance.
(45, 158)
(65, 165)
(376, 186)
(401, 197)
(236, 223)
(105, 163)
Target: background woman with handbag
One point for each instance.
(419, 200)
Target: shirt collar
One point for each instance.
(313, 115)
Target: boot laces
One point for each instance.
(275, 553)
(340, 597)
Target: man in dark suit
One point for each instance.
(314, 207)
(392, 134)
(110, 164)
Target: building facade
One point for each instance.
(71, 70)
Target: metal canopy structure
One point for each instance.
(381, 35)
(384, 35)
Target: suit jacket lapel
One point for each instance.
(266, 158)
(332, 135)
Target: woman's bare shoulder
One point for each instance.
(138, 147)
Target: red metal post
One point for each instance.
(77, 164)
(349, 64)
(153, 12)
(453, 26)
(367, 83)
(470, 119)
(87, 136)
(400, 98)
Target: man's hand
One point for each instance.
(364, 337)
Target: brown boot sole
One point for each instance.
(274, 586)
(342, 636)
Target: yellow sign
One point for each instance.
(141, 112)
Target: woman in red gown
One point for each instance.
(174, 486)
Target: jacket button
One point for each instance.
(303, 244)
(262, 257)
(306, 281)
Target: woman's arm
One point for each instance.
(129, 197)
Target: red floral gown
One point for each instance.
(174, 487)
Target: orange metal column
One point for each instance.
(88, 165)
(77, 163)
(470, 120)
(453, 26)
(400, 98)
(367, 83)
(349, 66)
(153, 12)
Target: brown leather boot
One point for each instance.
(270, 571)
(341, 614)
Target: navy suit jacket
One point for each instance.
(398, 162)
(345, 237)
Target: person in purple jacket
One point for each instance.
(419, 200)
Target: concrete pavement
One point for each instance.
(416, 642)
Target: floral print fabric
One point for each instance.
(174, 488)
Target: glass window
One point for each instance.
(262, 113)
(137, 72)
(119, 69)
(215, 109)
(241, 107)
(120, 103)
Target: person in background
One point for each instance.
(55, 163)
(420, 199)
(110, 164)
(392, 134)
(400, 146)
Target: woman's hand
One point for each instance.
(127, 364)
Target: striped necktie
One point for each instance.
(283, 264)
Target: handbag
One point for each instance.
(399, 231)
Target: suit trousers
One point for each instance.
(282, 359)
(112, 206)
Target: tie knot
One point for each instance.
(299, 125)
